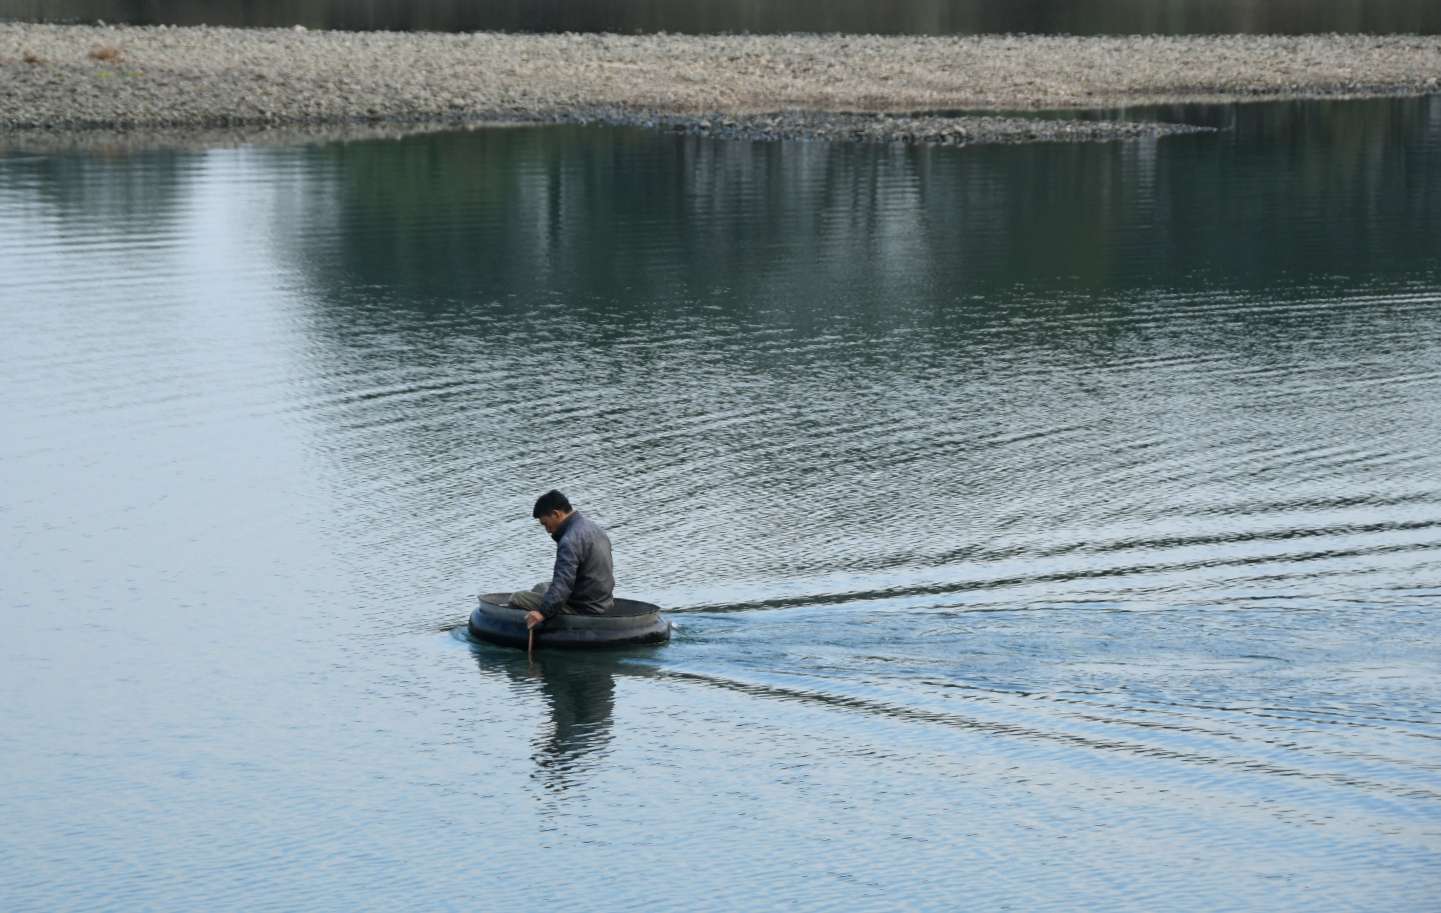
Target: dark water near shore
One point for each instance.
(922, 17)
(1049, 528)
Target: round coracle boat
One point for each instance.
(629, 623)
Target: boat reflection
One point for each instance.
(578, 690)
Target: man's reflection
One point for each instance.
(579, 691)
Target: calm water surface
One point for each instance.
(925, 17)
(1048, 528)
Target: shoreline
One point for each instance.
(61, 81)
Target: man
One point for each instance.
(583, 582)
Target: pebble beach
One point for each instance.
(947, 90)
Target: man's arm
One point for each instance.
(562, 579)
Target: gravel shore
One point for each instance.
(844, 87)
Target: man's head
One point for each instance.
(551, 509)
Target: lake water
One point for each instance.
(1080, 17)
(1048, 527)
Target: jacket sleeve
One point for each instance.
(562, 579)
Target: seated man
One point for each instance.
(583, 582)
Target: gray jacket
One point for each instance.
(584, 579)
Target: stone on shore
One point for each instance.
(834, 87)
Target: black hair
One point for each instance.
(551, 500)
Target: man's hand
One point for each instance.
(533, 618)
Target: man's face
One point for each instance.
(552, 521)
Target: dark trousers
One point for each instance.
(530, 599)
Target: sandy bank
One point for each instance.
(823, 86)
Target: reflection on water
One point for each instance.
(578, 691)
(1074, 17)
(746, 219)
(1062, 523)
